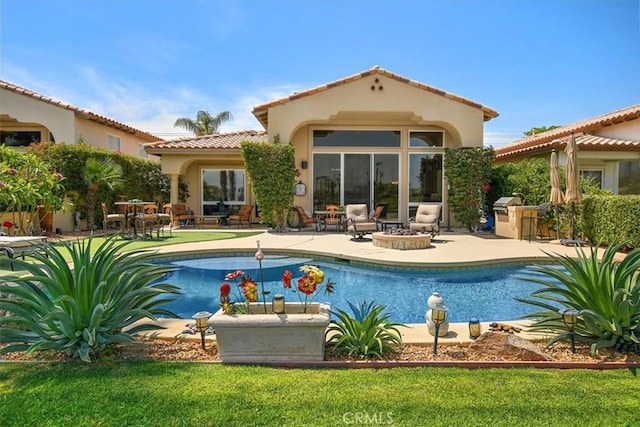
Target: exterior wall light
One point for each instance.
(277, 304)
(570, 319)
(202, 323)
(438, 316)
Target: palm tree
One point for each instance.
(98, 173)
(204, 124)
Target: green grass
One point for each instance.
(175, 239)
(177, 394)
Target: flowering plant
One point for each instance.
(308, 287)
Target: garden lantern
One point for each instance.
(202, 323)
(570, 318)
(438, 316)
(475, 330)
(277, 304)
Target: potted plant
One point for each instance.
(248, 331)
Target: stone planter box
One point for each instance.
(403, 243)
(256, 338)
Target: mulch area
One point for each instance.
(191, 351)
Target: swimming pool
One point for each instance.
(487, 293)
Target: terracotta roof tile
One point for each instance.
(584, 142)
(261, 111)
(85, 114)
(229, 140)
(538, 142)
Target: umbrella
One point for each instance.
(557, 198)
(556, 193)
(572, 194)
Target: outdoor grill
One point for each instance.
(501, 205)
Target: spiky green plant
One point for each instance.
(605, 291)
(83, 308)
(368, 334)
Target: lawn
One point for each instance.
(175, 239)
(175, 394)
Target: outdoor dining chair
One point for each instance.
(243, 215)
(112, 218)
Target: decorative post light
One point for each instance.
(449, 230)
(570, 318)
(260, 256)
(438, 316)
(277, 304)
(202, 323)
(475, 330)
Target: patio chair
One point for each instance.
(148, 220)
(332, 219)
(182, 216)
(427, 219)
(304, 219)
(243, 215)
(165, 219)
(112, 218)
(358, 221)
(539, 216)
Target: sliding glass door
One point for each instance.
(351, 178)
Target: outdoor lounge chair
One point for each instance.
(304, 219)
(427, 219)
(358, 221)
(243, 215)
(182, 216)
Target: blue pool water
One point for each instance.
(487, 293)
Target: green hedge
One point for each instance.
(611, 219)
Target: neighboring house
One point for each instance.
(608, 148)
(374, 137)
(27, 117)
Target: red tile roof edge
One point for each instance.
(231, 139)
(260, 111)
(85, 114)
(587, 125)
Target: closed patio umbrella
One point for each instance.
(572, 194)
(557, 198)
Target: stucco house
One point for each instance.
(608, 148)
(27, 117)
(374, 137)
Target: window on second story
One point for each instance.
(113, 143)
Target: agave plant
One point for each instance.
(367, 334)
(605, 291)
(83, 308)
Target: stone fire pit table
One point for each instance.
(401, 242)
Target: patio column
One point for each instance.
(174, 188)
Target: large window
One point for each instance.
(594, 175)
(356, 138)
(19, 138)
(428, 138)
(425, 178)
(326, 180)
(629, 177)
(221, 188)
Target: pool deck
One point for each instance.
(448, 250)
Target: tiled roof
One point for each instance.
(217, 140)
(584, 141)
(537, 143)
(261, 111)
(85, 114)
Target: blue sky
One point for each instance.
(148, 62)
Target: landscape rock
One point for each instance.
(502, 346)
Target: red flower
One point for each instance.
(12, 171)
(286, 279)
(486, 187)
(234, 275)
(225, 290)
(307, 285)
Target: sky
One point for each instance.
(148, 62)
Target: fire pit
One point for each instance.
(402, 239)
